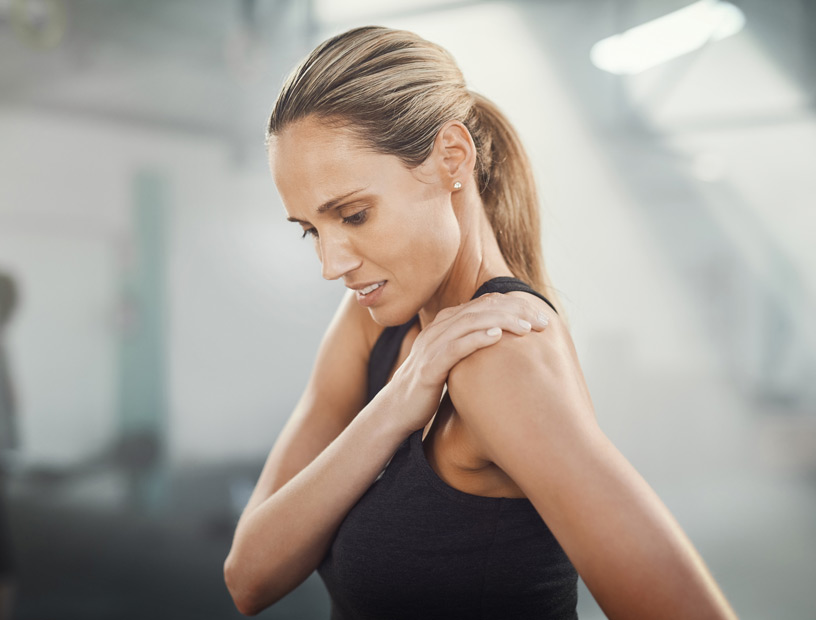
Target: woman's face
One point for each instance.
(389, 232)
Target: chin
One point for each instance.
(400, 308)
(391, 317)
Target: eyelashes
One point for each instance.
(352, 220)
(356, 218)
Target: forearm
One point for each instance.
(279, 543)
(630, 550)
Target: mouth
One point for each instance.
(370, 295)
(370, 289)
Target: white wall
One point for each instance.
(242, 290)
(246, 303)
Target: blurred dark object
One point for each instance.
(8, 441)
(8, 427)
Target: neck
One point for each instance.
(478, 260)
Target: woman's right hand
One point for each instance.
(455, 333)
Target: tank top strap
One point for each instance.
(505, 284)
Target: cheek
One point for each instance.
(444, 245)
(433, 243)
(445, 231)
(419, 255)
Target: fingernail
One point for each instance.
(494, 331)
(543, 319)
(525, 324)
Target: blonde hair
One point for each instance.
(393, 90)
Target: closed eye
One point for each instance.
(357, 218)
(354, 219)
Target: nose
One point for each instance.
(337, 257)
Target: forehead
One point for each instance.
(312, 162)
(312, 141)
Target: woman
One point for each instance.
(444, 460)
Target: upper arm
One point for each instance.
(334, 394)
(525, 397)
(525, 403)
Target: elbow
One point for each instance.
(242, 596)
(245, 596)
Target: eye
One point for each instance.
(357, 218)
(312, 232)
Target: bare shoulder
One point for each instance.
(515, 359)
(355, 321)
(521, 383)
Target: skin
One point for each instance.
(402, 214)
(433, 246)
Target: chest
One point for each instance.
(450, 450)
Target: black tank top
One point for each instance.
(414, 547)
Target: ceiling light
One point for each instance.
(667, 37)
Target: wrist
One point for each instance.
(411, 402)
(387, 411)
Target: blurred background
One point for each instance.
(159, 318)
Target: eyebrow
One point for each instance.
(329, 205)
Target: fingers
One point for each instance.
(458, 331)
(467, 322)
(458, 349)
(525, 309)
(510, 313)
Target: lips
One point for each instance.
(368, 289)
(369, 294)
(365, 289)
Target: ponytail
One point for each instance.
(507, 186)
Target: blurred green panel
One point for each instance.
(142, 352)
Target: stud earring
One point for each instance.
(457, 185)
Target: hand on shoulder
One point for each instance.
(522, 384)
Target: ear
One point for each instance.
(453, 157)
